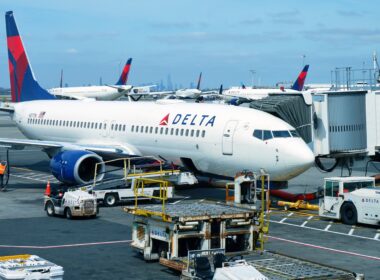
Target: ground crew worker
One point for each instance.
(3, 168)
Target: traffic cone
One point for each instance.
(48, 189)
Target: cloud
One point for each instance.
(87, 36)
(72, 51)
(351, 35)
(285, 14)
(201, 37)
(346, 13)
(178, 25)
(254, 21)
(289, 21)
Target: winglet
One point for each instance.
(298, 84)
(24, 86)
(124, 75)
(199, 81)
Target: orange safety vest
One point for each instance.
(3, 166)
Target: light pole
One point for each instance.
(253, 72)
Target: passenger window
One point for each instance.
(258, 133)
(187, 132)
(142, 129)
(267, 134)
(192, 133)
(112, 125)
(171, 131)
(203, 133)
(161, 130)
(137, 128)
(132, 128)
(151, 130)
(176, 131)
(182, 131)
(156, 130)
(166, 131)
(146, 129)
(198, 133)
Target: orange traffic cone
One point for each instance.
(48, 189)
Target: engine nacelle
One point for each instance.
(76, 167)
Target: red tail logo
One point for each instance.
(165, 120)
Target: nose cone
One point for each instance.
(295, 159)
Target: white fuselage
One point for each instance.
(217, 138)
(95, 92)
(255, 93)
(188, 93)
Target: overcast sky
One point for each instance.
(223, 39)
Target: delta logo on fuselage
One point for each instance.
(189, 119)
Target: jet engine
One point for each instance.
(77, 167)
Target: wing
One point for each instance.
(103, 149)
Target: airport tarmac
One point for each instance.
(99, 248)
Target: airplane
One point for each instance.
(208, 139)
(259, 93)
(190, 92)
(106, 92)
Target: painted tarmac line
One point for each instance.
(284, 219)
(304, 224)
(327, 227)
(377, 236)
(178, 201)
(326, 248)
(351, 232)
(66, 245)
(326, 230)
(33, 179)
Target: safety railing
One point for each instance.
(127, 166)
(139, 187)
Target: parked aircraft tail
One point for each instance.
(24, 86)
(199, 81)
(124, 75)
(298, 84)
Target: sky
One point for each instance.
(223, 39)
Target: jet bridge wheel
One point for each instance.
(349, 213)
(50, 209)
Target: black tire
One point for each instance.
(349, 214)
(50, 209)
(110, 199)
(68, 214)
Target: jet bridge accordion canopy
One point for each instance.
(290, 108)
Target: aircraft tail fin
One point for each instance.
(24, 86)
(124, 75)
(199, 81)
(299, 83)
(221, 89)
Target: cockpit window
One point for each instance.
(258, 133)
(267, 135)
(281, 133)
(294, 133)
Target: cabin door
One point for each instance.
(228, 136)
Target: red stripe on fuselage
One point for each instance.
(17, 50)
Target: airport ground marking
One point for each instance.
(326, 229)
(325, 248)
(65, 245)
(180, 200)
(351, 232)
